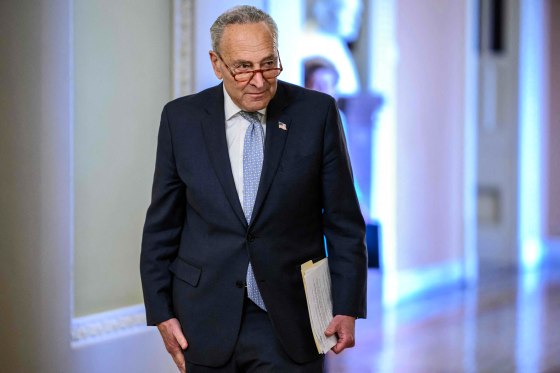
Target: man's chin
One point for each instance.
(255, 105)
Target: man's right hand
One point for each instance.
(174, 340)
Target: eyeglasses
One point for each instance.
(243, 74)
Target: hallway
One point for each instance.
(506, 323)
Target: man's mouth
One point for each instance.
(257, 94)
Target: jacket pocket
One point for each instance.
(185, 271)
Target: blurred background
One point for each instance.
(449, 111)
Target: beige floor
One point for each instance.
(506, 323)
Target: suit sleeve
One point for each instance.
(343, 223)
(162, 229)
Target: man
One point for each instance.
(250, 176)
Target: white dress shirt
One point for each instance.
(236, 126)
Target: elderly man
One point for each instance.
(251, 176)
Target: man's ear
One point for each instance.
(215, 64)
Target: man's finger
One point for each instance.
(174, 340)
(330, 330)
(345, 340)
(343, 327)
(179, 360)
(180, 338)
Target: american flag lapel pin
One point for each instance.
(282, 126)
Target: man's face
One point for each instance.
(248, 46)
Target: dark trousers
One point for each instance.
(258, 350)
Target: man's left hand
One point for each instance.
(343, 326)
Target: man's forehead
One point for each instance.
(247, 37)
(256, 26)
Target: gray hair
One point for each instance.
(242, 15)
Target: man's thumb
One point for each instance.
(330, 330)
(182, 341)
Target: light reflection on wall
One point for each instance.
(383, 189)
(531, 98)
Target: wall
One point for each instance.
(430, 123)
(424, 183)
(36, 189)
(35, 119)
(498, 142)
(122, 79)
(553, 126)
(122, 63)
(531, 105)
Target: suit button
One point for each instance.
(239, 284)
(250, 238)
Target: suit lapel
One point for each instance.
(214, 130)
(277, 128)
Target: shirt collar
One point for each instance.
(231, 109)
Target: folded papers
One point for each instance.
(317, 284)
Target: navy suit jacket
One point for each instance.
(196, 243)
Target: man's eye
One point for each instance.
(268, 64)
(243, 66)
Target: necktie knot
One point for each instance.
(252, 117)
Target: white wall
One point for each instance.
(430, 122)
(553, 128)
(122, 79)
(36, 189)
(512, 152)
(498, 143)
(430, 157)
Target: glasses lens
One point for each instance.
(272, 73)
(242, 77)
(267, 74)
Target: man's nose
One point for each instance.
(257, 80)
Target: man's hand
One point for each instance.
(174, 341)
(343, 326)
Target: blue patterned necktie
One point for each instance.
(253, 154)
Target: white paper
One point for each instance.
(317, 284)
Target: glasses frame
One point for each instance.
(253, 72)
